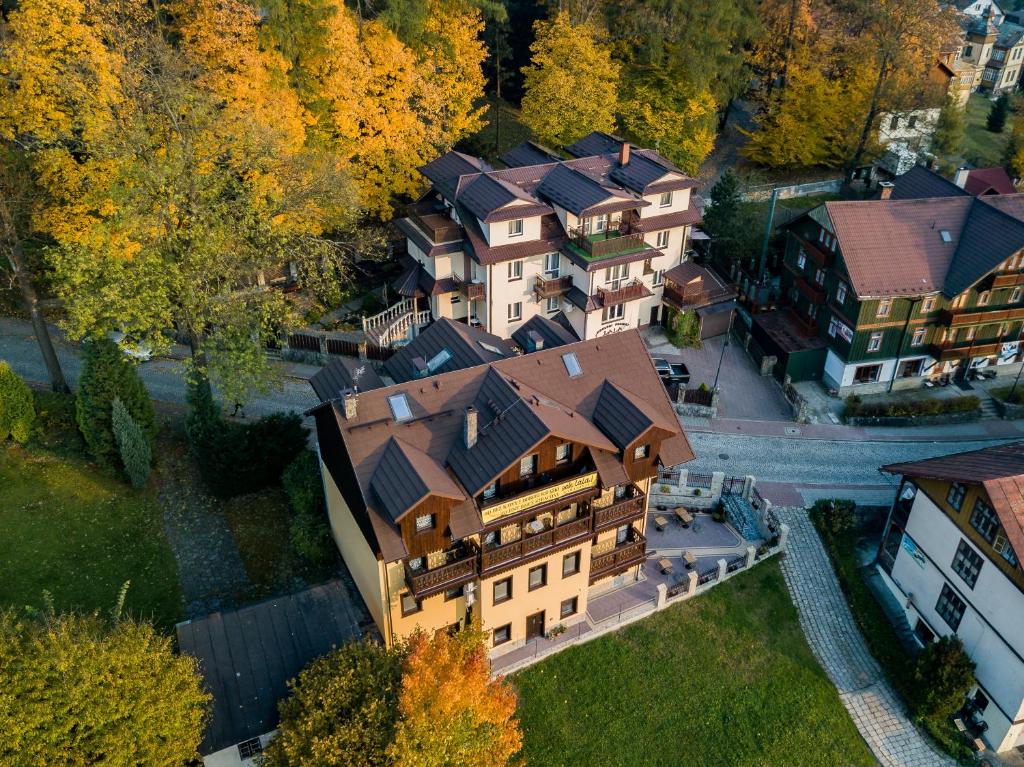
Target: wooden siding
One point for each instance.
(646, 467)
(436, 538)
(511, 482)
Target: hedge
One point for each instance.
(856, 408)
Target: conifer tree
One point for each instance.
(17, 408)
(136, 454)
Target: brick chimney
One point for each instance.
(885, 188)
(349, 400)
(469, 426)
(624, 153)
(960, 179)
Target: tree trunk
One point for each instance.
(788, 48)
(865, 132)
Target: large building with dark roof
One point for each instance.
(588, 237)
(888, 294)
(512, 490)
(951, 556)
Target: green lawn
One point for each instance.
(70, 529)
(981, 147)
(725, 680)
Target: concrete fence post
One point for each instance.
(662, 590)
(691, 587)
(751, 555)
(717, 480)
(783, 536)
(768, 364)
(684, 475)
(723, 569)
(748, 487)
(323, 343)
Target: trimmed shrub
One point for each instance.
(856, 408)
(107, 373)
(311, 538)
(17, 408)
(944, 674)
(835, 515)
(301, 483)
(718, 513)
(136, 455)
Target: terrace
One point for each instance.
(607, 244)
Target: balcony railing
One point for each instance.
(608, 243)
(434, 220)
(618, 512)
(529, 545)
(1008, 280)
(813, 293)
(473, 291)
(629, 292)
(423, 583)
(978, 316)
(690, 298)
(955, 350)
(552, 287)
(619, 559)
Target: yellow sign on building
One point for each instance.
(544, 495)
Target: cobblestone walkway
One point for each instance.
(838, 645)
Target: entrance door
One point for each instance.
(535, 625)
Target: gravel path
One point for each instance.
(874, 706)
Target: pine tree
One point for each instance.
(998, 113)
(17, 408)
(136, 454)
(949, 129)
(108, 374)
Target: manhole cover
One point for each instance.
(792, 431)
(724, 456)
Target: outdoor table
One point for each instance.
(689, 559)
(665, 565)
(660, 522)
(684, 516)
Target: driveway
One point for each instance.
(744, 393)
(874, 706)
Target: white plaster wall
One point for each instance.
(834, 368)
(501, 293)
(228, 757)
(497, 233)
(680, 202)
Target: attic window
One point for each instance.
(248, 749)
(946, 236)
(399, 407)
(491, 348)
(438, 360)
(572, 365)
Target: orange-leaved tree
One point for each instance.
(451, 711)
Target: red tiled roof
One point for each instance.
(988, 181)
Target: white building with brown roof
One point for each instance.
(589, 237)
(513, 490)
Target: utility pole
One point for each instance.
(763, 260)
(1013, 388)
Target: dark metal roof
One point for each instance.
(989, 237)
(405, 476)
(919, 183)
(528, 153)
(550, 332)
(485, 197)
(594, 143)
(639, 173)
(414, 282)
(618, 417)
(463, 342)
(445, 171)
(410, 230)
(247, 656)
(341, 374)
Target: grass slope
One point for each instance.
(725, 680)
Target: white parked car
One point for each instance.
(140, 351)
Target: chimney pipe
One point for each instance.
(961, 177)
(886, 188)
(348, 398)
(624, 153)
(469, 427)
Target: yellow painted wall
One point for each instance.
(435, 613)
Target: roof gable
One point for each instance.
(989, 238)
(465, 346)
(405, 476)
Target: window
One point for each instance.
(551, 264)
(409, 604)
(884, 307)
(572, 365)
(956, 494)
(912, 122)
(247, 749)
(515, 228)
(819, 277)
(945, 235)
(641, 452)
(967, 563)
(928, 305)
(568, 607)
(866, 374)
(662, 239)
(570, 564)
(551, 305)
(528, 466)
(918, 338)
(968, 51)
(613, 275)
(984, 520)
(563, 453)
(491, 348)
(894, 123)
(841, 292)
(515, 270)
(1015, 295)
(399, 407)
(1002, 545)
(801, 259)
(611, 313)
(438, 360)
(983, 298)
(666, 200)
(970, 334)
(490, 491)
(658, 277)
(416, 564)
(538, 577)
(502, 590)
(621, 534)
(502, 634)
(950, 607)
(515, 311)
(453, 593)
(875, 342)
(424, 522)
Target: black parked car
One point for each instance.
(671, 372)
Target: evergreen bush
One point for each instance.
(301, 483)
(945, 674)
(17, 409)
(107, 373)
(855, 407)
(996, 120)
(136, 455)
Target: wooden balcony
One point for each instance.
(683, 298)
(813, 293)
(531, 546)
(457, 571)
(552, 287)
(432, 218)
(619, 512)
(472, 291)
(816, 254)
(961, 317)
(958, 350)
(610, 243)
(630, 292)
(619, 559)
(1008, 280)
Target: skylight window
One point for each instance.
(438, 360)
(399, 407)
(491, 348)
(572, 365)
(946, 236)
